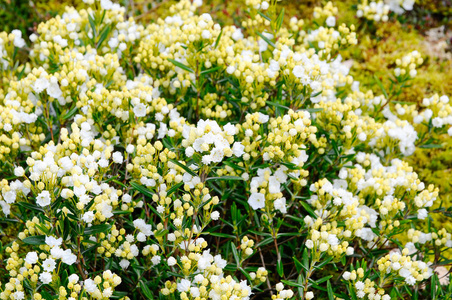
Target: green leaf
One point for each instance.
(321, 280)
(313, 110)
(277, 105)
(35, 240)
(226, 178)
(235, 254)
(217, 41)
(308, 208)
(70, 113)
(279, 265)
(180, 65)
(187, 169)
(174, 188)
(431, 146)
(265, 39)
(291, 283)
(146, 291)
(142, 189)
(97, 229)
(380, 84)
(30, 206)
(265, 242)
(279, 20)
(92, 24)
(211, 70)
(264, 16)
(103, 35)
(330, 290)
(305, 259)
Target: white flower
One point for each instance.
(40, 85)
(257, 201)
(45, 277)
(68, 258)
(437, 122)
(107, 293)
(19, 295)
(359, 285)
(156, 260)
(139, 110)
(184, 285)
(410, 280)
(88, 217)
(280, 204)
(90, 285)
(238, 149)
(124, 264)
(346, 275)
(171, 261)
(194, 292)
(31, 258)
(117, 157)
(19, 171)
(53, 242)
(215, 215)
(130, 149)
(9, 196)
(73, 278)
(422, 214)
(408, 4)
(309, 295)
(19, 42)
(43, 199)
(49, 265)
(54, 91)
(298, 71)
(330, 21)
(189, 151)
(206, 34)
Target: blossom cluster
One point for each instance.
(183, 159)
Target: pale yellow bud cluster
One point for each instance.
(407, 64)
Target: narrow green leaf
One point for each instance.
(92, 24)
(276, 104)
(146, 291)
(35, 240)
(70, 113)
(180, 65)
(305, 259)
(226, 178)
(211, 70)
(279, 266)
(279, 20)
(97, 229)
(330, 290)
(431, 146)
(313, 110)
(380, 84)
(265, 39)
(103, 35)
(187, 169)
(291, 283)
(174, 188)
(217, 41)
(142, 189)
(235, 254)
(264, 16)
(30, 206)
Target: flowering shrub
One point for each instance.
(185, 160)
